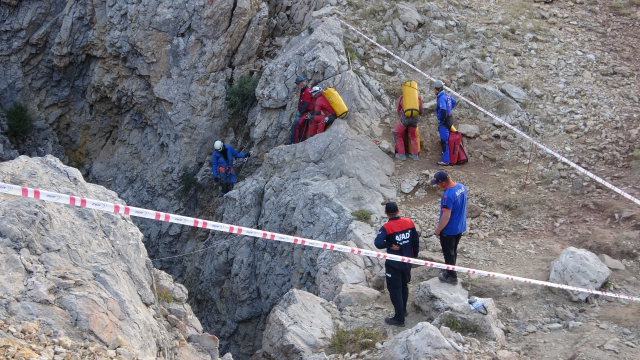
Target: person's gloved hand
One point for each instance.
(249, 154)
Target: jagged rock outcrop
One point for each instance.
(297, 327)
(84, 275)
(320, 58)
(308, 190)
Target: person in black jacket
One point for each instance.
(400, 237)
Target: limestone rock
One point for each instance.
(515, 93)
(434, 297)
(489, 98)
(408, 185)
(350, 294)
(386, 147)
(611, 263)
(398, 27)
(297, 327)
(489, 325)
(409, 15)
(94, 262)
(423, 341)
(470, 131)
(473, 210)
(581, 268)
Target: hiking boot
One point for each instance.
(440, 163)
(402, 157)
(394, 322)
(446, 278)
(413, 157)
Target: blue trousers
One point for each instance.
(444, 143)
(227, 180)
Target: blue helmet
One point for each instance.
(299, 79)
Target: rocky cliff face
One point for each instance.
(81, 279)
(308, 190)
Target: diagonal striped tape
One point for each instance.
(177, 219)
(494, 117)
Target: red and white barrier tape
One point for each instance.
(183, 220)
(558, 156)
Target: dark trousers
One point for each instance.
(449, 245)
(398, 287)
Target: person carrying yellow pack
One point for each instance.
(410, 106)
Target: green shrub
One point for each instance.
(354, 340)
(242, 95)
(164, 295)
(362, 215)
(188, 181)
(18, 120)
(451, 322)
(483, 55)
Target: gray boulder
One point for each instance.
(409, 15)
(423, 341)
(470, 131)
(611, 263)
(580, 268)
(79, 271)
(434, 297)
(515, 93)
(297, 327)
(350, 294)
(491, 98)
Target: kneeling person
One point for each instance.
(399, 237)
(323, 114)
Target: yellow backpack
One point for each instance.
(336, 102)
(410, 100)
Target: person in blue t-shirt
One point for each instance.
(453, 221)
(444, 107)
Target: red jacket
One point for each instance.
(322, 105)
(305, 104)
(401, 105)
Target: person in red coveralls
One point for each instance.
(305, 106)
(403, 124)
(323, 114)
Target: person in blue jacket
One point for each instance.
(444, 106)
(222, 165)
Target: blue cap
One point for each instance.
(439, 176)
(299, 79)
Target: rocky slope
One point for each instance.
(79, 283)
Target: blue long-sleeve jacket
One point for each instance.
(399, 231)
(218, 161)
(444, 105)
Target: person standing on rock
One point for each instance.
(453, 221)
(222, 165)
(323, 114)
(400, 237)
(404, 124)
(305, 106)
(444, 107)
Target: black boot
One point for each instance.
(394, 321)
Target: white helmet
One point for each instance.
(218, 145)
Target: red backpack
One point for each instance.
(457, 152)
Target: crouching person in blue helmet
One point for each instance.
(222, 165)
